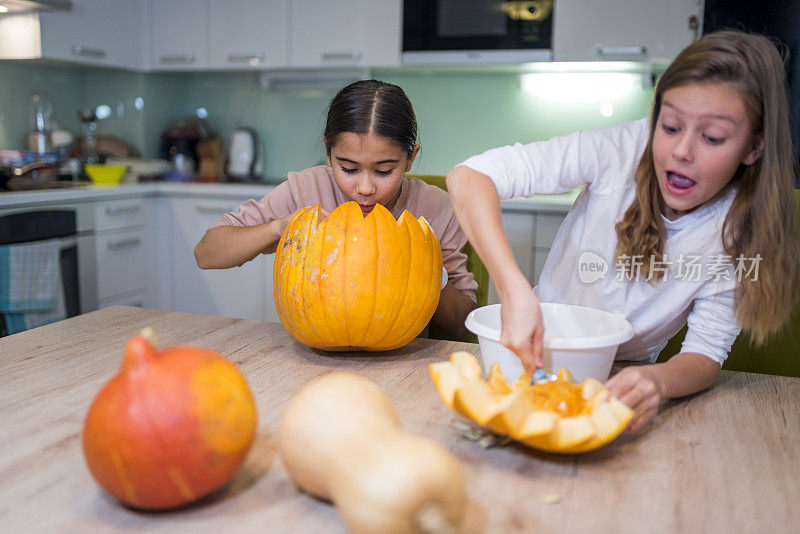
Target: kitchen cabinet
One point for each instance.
(219, 34)
(122, 238)
(248, 34)
(94, 32)
(347, 33)
(623, 30)
(244, 292)
(531, 234)
(179, 30)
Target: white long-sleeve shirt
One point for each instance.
(701, 280)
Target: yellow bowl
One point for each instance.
(105, 174)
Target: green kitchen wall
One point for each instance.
(459, 114)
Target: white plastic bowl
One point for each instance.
(583, 340)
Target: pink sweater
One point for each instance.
(317, 186)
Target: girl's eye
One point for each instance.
(713, 140)
(348, 170)
(384, 173)
(669, 129)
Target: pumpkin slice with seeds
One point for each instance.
(556, 416)
(448, 376)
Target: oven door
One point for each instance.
(477, 30)
(20, 227)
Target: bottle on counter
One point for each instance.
(41, 123)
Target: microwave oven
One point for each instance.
(477, 31)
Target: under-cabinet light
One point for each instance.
(580, 86)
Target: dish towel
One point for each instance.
(31, 289)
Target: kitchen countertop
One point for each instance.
(91, 193)
(725, 460)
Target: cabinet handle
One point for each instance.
(85, 51)
(124, 243)
(210, 208)
(117, 210)
(185, 58)
(333, 56)
(615, 51)
(252, 59)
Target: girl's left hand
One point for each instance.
(639, 389)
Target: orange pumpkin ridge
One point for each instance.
(389, 339)
(293, 264)
(302, 283)
(429, 272)
(368, 242)
(390, 301)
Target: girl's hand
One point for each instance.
(283, 222)
(523, 329)
(639, 389)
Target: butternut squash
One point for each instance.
(340, 439)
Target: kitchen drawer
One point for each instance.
(137, 298)
(120, 263)
(112, 214)
(546, 229)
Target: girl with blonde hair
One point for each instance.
(693, 210)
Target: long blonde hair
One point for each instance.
(761, 219)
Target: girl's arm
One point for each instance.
(231, 246)
(477, 207)
(643, 387)
(452, 311)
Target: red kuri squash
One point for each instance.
(171, 427)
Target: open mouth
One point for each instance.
(679, 184)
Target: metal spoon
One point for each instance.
(541, 375)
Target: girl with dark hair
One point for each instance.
(370, 141)
(692, 210)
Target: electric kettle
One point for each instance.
(242, 155)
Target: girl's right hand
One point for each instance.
(283, 222)
(523, 327)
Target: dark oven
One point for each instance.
(30, 227)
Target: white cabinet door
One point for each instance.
(237, 292)
(179, 31)
(622, 30)
(121, 263)
(346, 33)
(520, 231)
(123, 252)
(248, 34)
(100, 32)
(547, 225)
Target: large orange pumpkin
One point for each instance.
(171, 427)
(350, 282)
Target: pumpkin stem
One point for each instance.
(150, 335)
(430, 519)
(139, 350)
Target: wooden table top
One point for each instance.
(726, 460)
